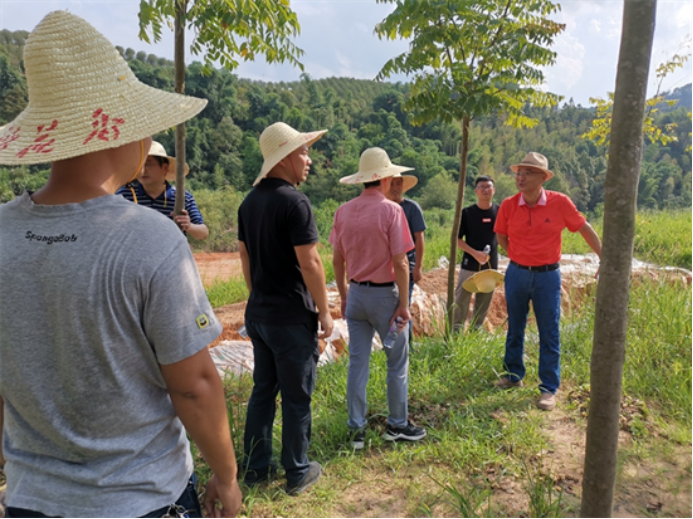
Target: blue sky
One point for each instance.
(338, 40)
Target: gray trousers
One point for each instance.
(482, 303)
(369, 309)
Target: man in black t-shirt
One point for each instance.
(476, 227)
(286, 280)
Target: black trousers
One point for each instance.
(286, 358)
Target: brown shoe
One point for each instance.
(506, 383)
(547, 402)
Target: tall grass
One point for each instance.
(227, 292)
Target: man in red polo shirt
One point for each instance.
(529, 227)
(370, 239)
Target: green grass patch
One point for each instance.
(479, 437)
(661, 237)
(227, 292)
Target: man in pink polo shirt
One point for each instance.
(370, 239)
(529, 227)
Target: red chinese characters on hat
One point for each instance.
(43, 142)
(102, 130)
(12, 136)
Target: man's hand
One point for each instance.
(416, 274)
(480, 257)
(182, 220)
(229, 496)
(403, 313)
(325, 320)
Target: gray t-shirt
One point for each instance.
(95, 296)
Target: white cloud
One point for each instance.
(569, 64)
(595, 26)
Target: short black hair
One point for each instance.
(160, 160)
(375, 183)
(484, 178)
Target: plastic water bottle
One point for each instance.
(394, 332)
(242, 332)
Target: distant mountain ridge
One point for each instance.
(222, 142)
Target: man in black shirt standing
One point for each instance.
(476, 226)
(286, 280)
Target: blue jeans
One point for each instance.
(188, 502)
(286, 358)
(369, 309)
(544, 290)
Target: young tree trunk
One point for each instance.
(456, 220)
(611, 313)
(179, 64)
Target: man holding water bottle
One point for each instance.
(371, 239)
(478, 241)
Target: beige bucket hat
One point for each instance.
(279, 140)
(534, 160)
(484, 281)
(374, 165)
(157, 150)
(83, 97)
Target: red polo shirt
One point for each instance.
(368, 231)
(534, 233)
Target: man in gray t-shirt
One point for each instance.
(104, 323)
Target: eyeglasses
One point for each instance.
(522, 174)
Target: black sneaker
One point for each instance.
(358, 439)
(311, 478)
(410, 433)
(255, 477)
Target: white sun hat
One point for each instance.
(279, 140)
(374, 165)
(83, 97)
(157, 150)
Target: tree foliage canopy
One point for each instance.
(229, 30)
(472, 58)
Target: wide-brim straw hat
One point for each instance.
(484, 281)
(408, 181)
(279, 140)
(375, 165)
(83, 97)
(157, 150)
(536, 161)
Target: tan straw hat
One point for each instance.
(83, 97)
(279, 140)
(536, 161)
(484, 281)
(374, 165)
(157, 150)
(408, 181)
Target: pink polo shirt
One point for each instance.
(368, 231)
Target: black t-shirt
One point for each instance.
(477, 226)
(272, 220)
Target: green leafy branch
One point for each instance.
(227, 31)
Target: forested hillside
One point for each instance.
(223, 149)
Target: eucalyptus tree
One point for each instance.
(611, 310)
(469, 58)
(225, 31)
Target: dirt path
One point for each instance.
(218, 266)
